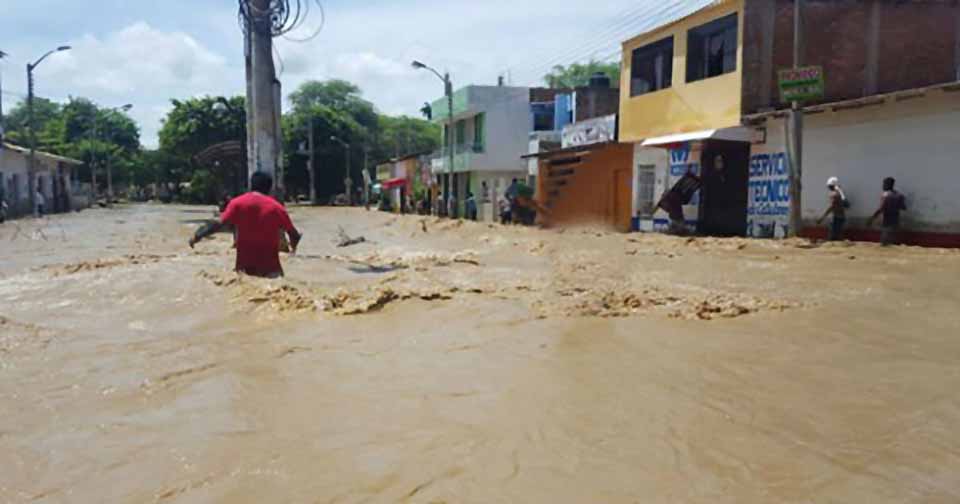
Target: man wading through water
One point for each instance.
(259, 220)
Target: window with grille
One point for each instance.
(646, 185)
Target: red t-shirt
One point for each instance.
(259, 220)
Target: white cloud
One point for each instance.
(190, 49)
(142, 65)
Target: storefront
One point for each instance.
(720, 159)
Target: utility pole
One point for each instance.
(347, 181)
(31, 166)
(451, 187)
(313, 167)
(2, 55)
(796, 131)
(263, 77)
(366, 177)
(248, 103)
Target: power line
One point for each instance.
(283, 16)
(601, 30)
(613, 34)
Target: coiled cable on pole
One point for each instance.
(283, 16)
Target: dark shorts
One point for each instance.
(835, 232)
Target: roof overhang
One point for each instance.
(858, 103)
(44, 155)
(735, 134)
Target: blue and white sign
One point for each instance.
(768, 209)
(683, 159)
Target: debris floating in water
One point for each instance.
(346, 241)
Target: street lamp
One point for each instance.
(347, 182)
(31, 187)
(126, 108)
(448, 91)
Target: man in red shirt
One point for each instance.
(258, 219)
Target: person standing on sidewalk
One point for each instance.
(836, 205)
(41, 202)
(891, 204)
(258, 219)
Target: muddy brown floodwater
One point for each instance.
(461, 362)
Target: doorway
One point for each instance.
(725, 192)
(622, 192)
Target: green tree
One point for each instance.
(337, 108)
(578, 74)
(82, 130)
(197, 123)
(191, 127)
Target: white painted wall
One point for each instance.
(658, 158)
(768, 203)
(916, 141)
(13, 163)
(507, 125)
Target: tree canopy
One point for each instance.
(338, 109)
(578, 74)
(83, 130)
(80, 129)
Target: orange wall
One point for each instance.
(592, 193)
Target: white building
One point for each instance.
(491, 134)
(55, 178)
(912, 136)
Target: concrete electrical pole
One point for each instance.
(796, 131)
(263, 76)
(248, 104)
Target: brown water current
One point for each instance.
(447, 362)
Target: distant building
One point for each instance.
(56, 178)
(492, 125)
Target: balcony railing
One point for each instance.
(462, 155)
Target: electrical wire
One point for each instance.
(282, 16)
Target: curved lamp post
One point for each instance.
(31, 169)
(448, 91)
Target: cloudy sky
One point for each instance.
(146, 52)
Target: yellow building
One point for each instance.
(680, 106)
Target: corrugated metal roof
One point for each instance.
(667, 12)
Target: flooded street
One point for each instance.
(461, 362)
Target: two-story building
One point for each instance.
(491, 132)
(699, 94)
